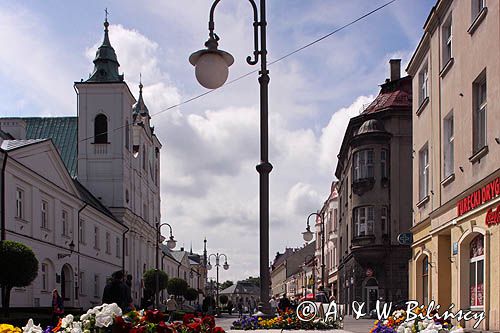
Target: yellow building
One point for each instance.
(456, 159)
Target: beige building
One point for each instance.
(456, 159)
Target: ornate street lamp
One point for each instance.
(71, 249)
(211, 69)
(308, 236)
(217, 265)
(171, 245)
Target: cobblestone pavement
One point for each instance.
(350, 325)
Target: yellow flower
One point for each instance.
(6, 328)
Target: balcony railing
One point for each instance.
(100, 148)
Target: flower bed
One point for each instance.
(286, 320)
(396, 323)
(109, 318)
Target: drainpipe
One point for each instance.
(123, 248)
(77, 287)
(4, 165)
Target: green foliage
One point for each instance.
(18, 265)
(253, 280)
(191, 294)
(226, 284)
(177, 287)
(150, 280)
(223, 299)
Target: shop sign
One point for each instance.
(479, 197)
(493, 216)
(455, 248)
(406, 238)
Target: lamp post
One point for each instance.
(211, 69)
(313, 258)
(71, 249)
(217, 265)
(170, 244)
(308, 236)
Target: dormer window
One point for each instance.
(101, 129)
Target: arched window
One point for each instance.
(476, 272)
(425, 280)
(127, 135)
(101, 129)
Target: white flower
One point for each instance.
(66, 321)
(32, 328)
(77, 327)
(103, 319)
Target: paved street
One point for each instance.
(350, 325)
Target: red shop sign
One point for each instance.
(493, 216)
(479, 197)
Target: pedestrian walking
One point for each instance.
(321, 295)
(240, 308)
(171, 307)
(116, 291)
(284, 303)
(128, 285)
(273, 304)
(230, 307)
(57, 307)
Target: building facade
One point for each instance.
(374, 173)
(95, 187)
(329, 215)
(456, 184)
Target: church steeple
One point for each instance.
(139, 108)
(105, 62)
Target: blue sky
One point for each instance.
(209, 183)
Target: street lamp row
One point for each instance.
(308, 236)
(217, 265)
(171, 245)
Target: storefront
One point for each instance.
(456, 255)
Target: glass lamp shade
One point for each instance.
(307, 235)
(226, 266)
(171, 243)
(211, 67)
(209, 266)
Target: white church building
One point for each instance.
(84, 192)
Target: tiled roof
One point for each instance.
(392, 95)
(13, 144)
(64, 133)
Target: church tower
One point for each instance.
(119, 155)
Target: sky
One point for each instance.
(209, 184)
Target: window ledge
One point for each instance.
(476, 157)
(20, 219)
(423, 201)
(477, 21)
(100, 143)
(448, 180)
(45, 229)
(447, 67)
(422, 106)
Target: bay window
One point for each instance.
(363, 164)
(363, 221)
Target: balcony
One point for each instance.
(362, 185)
(101, 148)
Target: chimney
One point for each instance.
(395, 69)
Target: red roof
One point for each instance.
(393, 94)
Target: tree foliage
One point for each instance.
(177, 287)
(223, 299)
(226, 284)
(252, 280)
(191, 294)
(150, 280)
(18, 268)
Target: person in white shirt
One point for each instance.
(171, 306)
(274, 304)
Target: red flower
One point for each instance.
(165, 328)
(153, 316)
(140, 329)
(195, 327)
(120, 326)
(209, 320)
(218, 330)
(187, 318)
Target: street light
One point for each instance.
(217, 265)
(308, 235)
(171, 245)
(71, 249)
(211, 71)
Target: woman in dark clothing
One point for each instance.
(57, 307)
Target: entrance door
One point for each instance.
(371, 298)
(66, 284)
